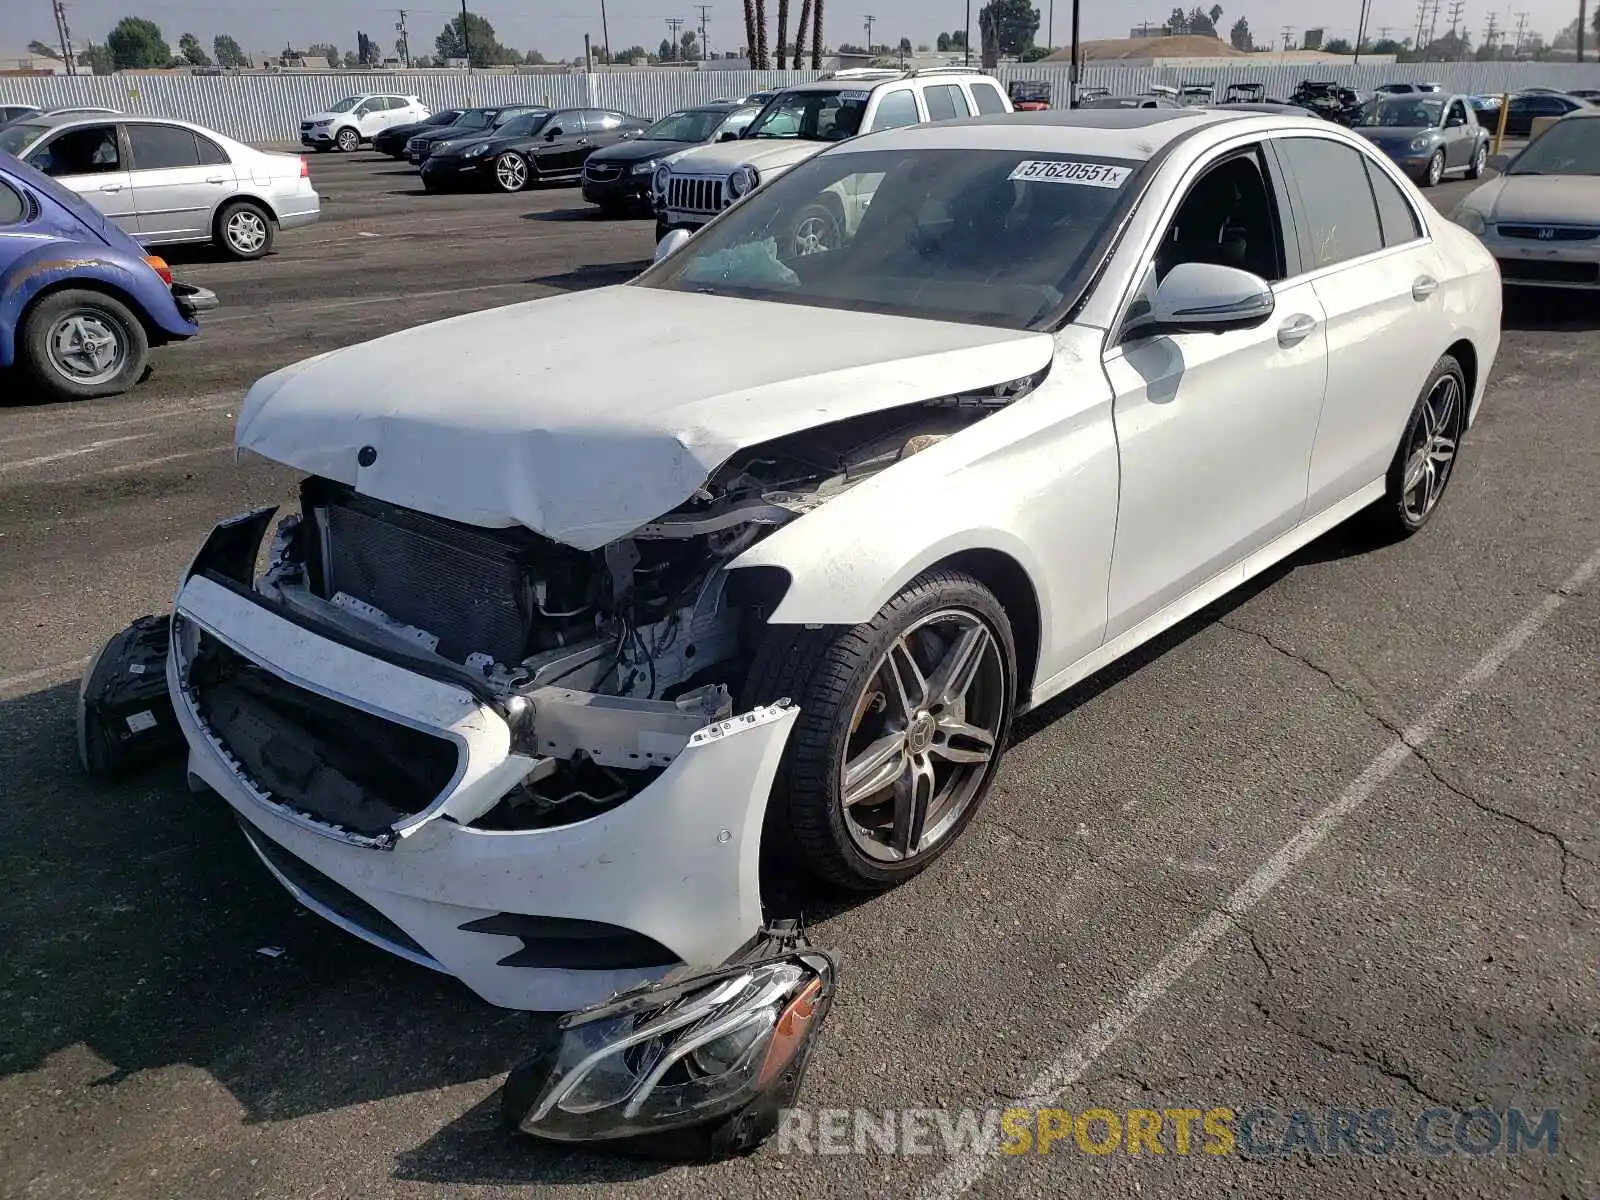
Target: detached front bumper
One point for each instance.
(192, 300)
(546, 919)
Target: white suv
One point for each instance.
(357, 119)
(693, 186)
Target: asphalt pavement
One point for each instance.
(1330, 846)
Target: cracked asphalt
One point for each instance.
(1137, 918)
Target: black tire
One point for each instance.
(97, 314)
(347, 140)
(1397, 515)
(245, 230)
(1480, 159)
(1434, 171)
(828, 224)
(832, 674)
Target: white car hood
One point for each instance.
(585, 416)
(321, 117)
(720, 158)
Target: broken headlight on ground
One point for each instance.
(697, 1065)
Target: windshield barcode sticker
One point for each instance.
(1084, 174)
(846, 97)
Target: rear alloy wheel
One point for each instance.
(511, 172)
(244, 230)
(902, 723)
(348, 140)
(1434, 171)
(1480, 159)
(1426, 457)
(79, 344)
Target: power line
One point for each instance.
(60, 12)
(405, 38)
(870, 20)
(673, 25)
(1522, 24)
(1456, 7)
(1288, 37)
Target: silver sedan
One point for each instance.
(167, 182)
(1541, 217)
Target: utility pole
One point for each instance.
(1583, 16)
(1433, 22)
(66, 37)
(405, 38)
(466, 38)
(1522, 24)
(966, 35)
(1077, 52)
(673, 25)
(1050, 30)
(1422, 24)
(1455, 15)
(870, 20)
(1361, 28)
(605, 31)
(705, 38)
(1491, 34)
(1288, 37)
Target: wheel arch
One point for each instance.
(992, 557)
(228, 202)
(1465, 353)
(9, 334)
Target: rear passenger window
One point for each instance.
(12, 206)
(162, 147)
(989, 98)
(945, 103)
(896, 110)
(1395, 214)
(1337, 216)
(211, 154)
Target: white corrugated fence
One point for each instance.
(267, 108)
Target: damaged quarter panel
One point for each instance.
(1036, 481)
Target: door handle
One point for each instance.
(216, 179)
(1296, 329)
(110, 187)
(1424, 287)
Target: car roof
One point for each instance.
(867, 83)
(1112, 132)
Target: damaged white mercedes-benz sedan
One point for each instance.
(541, 660)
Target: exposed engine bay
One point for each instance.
(604, 662)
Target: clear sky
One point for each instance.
(556, 27)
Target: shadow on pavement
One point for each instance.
(1550, 310)
(135, 915)
(597, 275)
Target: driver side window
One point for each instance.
(1457, 114)
(1228, 218)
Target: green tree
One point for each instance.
(137, 43)
(1215, 13)
(905, 46)
(325, 50)
(480, 47)
(1006, 27)
(1240, 36)
(1034, 54)
(1198, 24)
(97, 59)
(351, 62)
(690, 46)
(942, 43)
(194, 55)
(1386, 46)
(1178, 23)
(534, 59)
(228, 52)
(628, 55)
(1337, 46)
(664, 52)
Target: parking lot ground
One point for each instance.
(1218, 876)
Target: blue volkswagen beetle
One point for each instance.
(81, 304)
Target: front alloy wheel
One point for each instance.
(511, 172)
(349, 141)
(901, 726)
(816, 231)
(1480, 159)
(1434, 171)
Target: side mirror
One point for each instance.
(674, 241)
(729, 136)
(1205, 297)
(551, 135)
(1499, 162)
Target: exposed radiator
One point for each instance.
(465, 586)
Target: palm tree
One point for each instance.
(800, 32)
(761, 35)
(816, 36)
(750, 32)
(783, 33)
